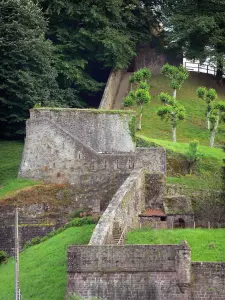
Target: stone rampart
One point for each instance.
(122, 212)
(159, 272)
(58, 147)
(208, 281)
(111, 89)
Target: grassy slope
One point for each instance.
(194, 125)
(43, 267)
(198, 239)
(10, 157)
(209, 169)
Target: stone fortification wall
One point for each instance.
(123, 210)
(208, 281)
(111, 89)
(26, 233)
(159, 272)
(60, 148)
(154, 195)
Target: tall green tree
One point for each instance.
(198, 28)
(176, 75)
(96, 35)
(26, 72)
(209, 96)
(172, 112)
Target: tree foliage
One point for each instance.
(173, 112)
(216, 116)
(176, 75)
(193, 155)
(26, 72)
(209, 96)
(140, 95)
(198, 28)
(95, 35)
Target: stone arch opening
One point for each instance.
(180, 223)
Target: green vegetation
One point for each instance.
(193, 127)
(140, 95)
(208, 172)
(43, 267)
(206, 245)
(10, 157)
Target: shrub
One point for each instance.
(193, 155)
(3, 257)
(128, 101)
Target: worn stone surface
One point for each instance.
(129, 272)
(61, 147)
(154, 194)
(111, 89)
(208, 281)
(122, 212)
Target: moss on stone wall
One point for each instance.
(89, 110)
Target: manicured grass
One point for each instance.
(43, 267)
(206, 245)
(208, 172)
(193, 127)
(14, 185)
(10, 157)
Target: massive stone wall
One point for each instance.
(122, 211)
(60, 147)
(208, 281)
(143, 272)
(111, 89)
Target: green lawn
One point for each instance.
(10, 158)
(198, 239)
(194, 125)
(43, 267)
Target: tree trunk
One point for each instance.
(207, 120)
(214, 130)
(174, 135)
(219, 72)
(174, 93)
(140, 118)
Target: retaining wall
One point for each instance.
(111, 89)
(131, 272)
(208, 281)
(60, 148)
(122, 212)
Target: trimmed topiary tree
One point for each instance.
(173, 112)
(140, 95)
(177, 76)
(208, 96)
(216, 116)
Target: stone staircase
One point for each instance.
(118, 239)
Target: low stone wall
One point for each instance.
(26, 233)
(208, 281)
(111, 89)
(159, 272)
(122, 212)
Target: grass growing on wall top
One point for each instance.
(206, 244)
(10, 158)
(43, 267)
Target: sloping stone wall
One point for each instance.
(122, 212)
(111, 89)
(134, 272)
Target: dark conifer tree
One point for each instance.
(27, 76)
